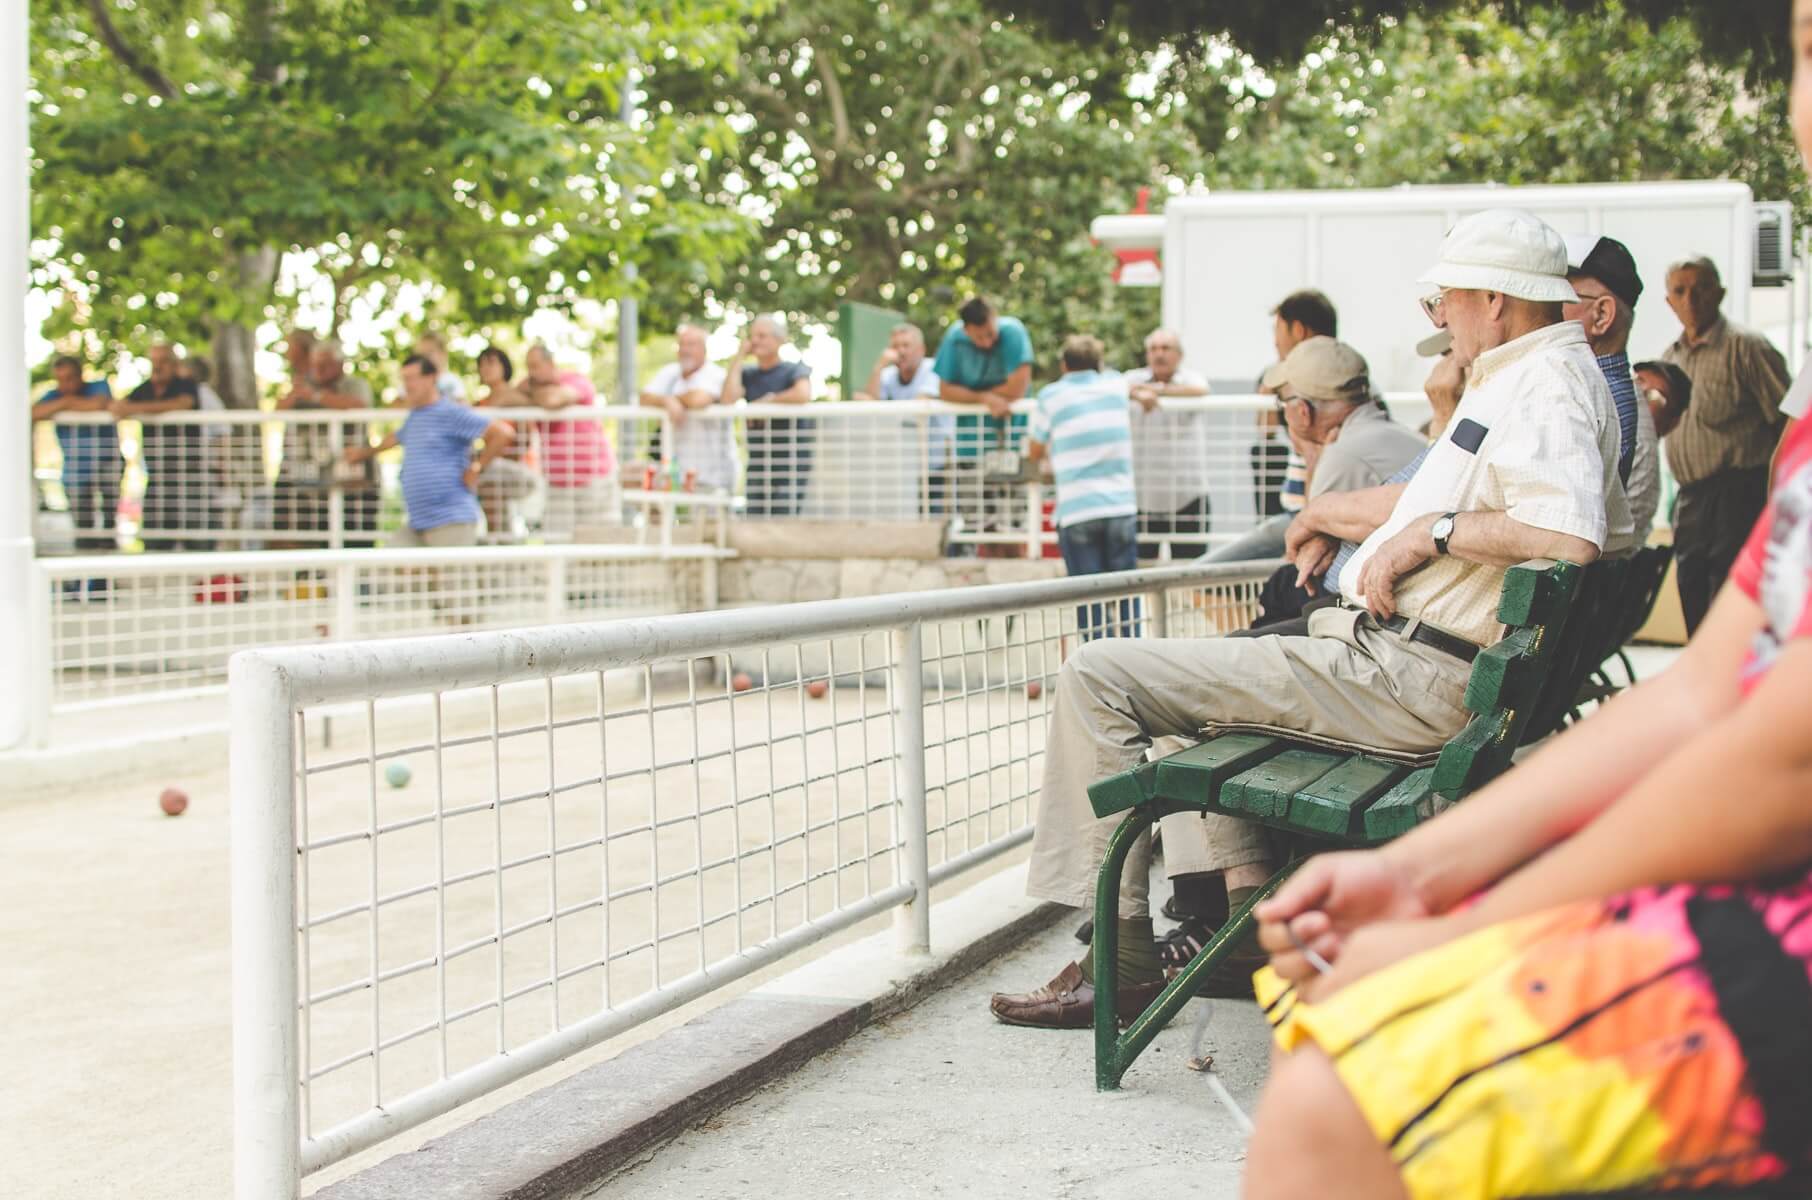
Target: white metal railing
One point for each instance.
(457, 860)
(127, 628)
(256, 479)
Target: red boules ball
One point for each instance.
(741, 681)
(173, 801)
(1034, 689)
(816, 689)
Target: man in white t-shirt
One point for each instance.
(904, 373)
(702, 445)
(1170, 448)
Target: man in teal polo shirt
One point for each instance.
(985, 360)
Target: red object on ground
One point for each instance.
(173, 801)
(816, 689)
(221, 589)
(741, 682)
(1051, 549)
(1034, 689)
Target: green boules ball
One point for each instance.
(397, 774)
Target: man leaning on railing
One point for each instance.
(91, 452)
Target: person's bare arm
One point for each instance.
(733, 377)
(956, 393)
(497, 439)
(887, 359)
(797, 392)
(552, 395)
(357, 454)
(1180, 390)
(699, 398)
(1016, 384)
(1345, 516)
(1549, 797)
(1493, 538)
(44, 410)
(1035, 452)
(1664, 830)
(341, 400)
(151, 408)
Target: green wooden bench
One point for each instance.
(1640, 588)
(1322, 794)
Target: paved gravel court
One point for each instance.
(945, 1101)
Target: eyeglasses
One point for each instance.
(1433, 304)
(1284, 402)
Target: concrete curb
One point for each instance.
(563, 1141)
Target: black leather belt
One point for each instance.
(1428, 635)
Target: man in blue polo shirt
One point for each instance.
(1083, 422)
(440, 479)
(91, 453)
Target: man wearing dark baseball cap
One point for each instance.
(1603, 274)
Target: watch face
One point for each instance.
(1443, 529)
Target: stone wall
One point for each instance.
(745, 581)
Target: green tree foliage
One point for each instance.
(912, 152)
(185, 149)
(1748, 34)
(1551, 97)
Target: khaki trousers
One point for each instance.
(1115, 696)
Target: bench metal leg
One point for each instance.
(1115, 1051)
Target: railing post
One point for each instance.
(336, 494)
(1034, 520)
(345, 601)
(556, 591)
(912, 920)
(1159, 621)
(267, 1132)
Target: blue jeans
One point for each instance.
(1090, 548)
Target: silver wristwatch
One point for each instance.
(1442, 530)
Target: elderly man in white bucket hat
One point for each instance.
(1525, 469)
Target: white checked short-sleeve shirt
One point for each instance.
(1172, 450)
(1536, 437)
(700, 444)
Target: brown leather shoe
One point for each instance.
(1068, 1002)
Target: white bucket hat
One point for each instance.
(1505, 250)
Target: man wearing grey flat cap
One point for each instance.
(1525, 469)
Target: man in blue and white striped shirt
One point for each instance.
(1083, 423)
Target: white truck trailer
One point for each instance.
(1227, 258)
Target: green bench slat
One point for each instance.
(1536, 595)
(1335, 804)
(1194, 776)
(1478, 753)
(1265, 791)
(1508, 674)
(1128, 789)
(1406, 805)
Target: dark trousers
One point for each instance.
(1192, 521)
(780, 466)
(1270, 462)
(1091, 548)
(93, 504)
(1712, 520)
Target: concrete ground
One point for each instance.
(945, 1101)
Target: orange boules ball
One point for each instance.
(816, 689)
(173, 801)
(741, 681)
(1034, 689)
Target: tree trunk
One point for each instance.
(235, 343)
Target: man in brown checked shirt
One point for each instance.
(1721, 449)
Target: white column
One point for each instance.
(17, 501)
(629, 333)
